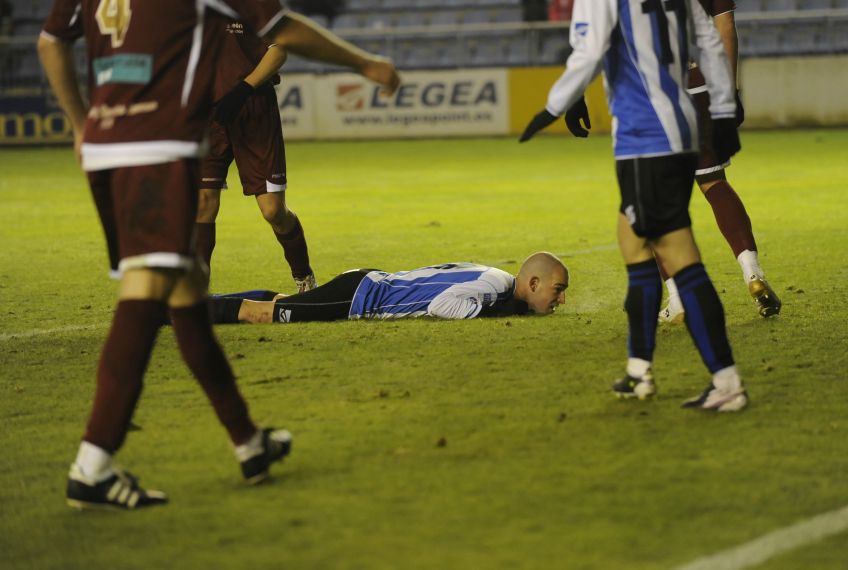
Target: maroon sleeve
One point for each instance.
(720, 7)
(65, 20)
(260, 15)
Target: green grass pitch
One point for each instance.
(439, 445)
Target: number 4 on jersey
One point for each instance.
(113, 19)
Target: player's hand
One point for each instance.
(230, 104)
(536, 124)
(576, 113)
(740, 109)
(381, 71)
(725, 139)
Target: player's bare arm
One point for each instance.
(300, 35)
(268, 66)
(228, 107)
(57, 60)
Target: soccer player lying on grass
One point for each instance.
(448, 291)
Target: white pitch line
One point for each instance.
(774, 543)
(41, 332)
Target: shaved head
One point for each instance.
(541, 282)
(541, 263)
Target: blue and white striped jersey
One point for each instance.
(644, 49)
(449, 291)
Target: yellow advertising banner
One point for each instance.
(528, 92)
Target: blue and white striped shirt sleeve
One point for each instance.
(592, 23)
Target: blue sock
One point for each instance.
(644, 293)
(704, 316)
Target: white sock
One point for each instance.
(251, 448)
(673, 296)
(94, 462)
(636, 367)
(749, 261)
(727, 379)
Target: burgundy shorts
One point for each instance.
(708, 161)
(255, 140)
(148, 213)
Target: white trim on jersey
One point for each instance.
(194, 54)
(157, 259)
(271, 23)
(117, 155)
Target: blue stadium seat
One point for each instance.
(836, 36)
(380, 20)
(748, 6)
(349, 21)
(446, 18)
(478, 16)
(517, 50)
(761, 40)
(779, 5)
(802, 39)
(508, 15)
(815, 4)
(364, 4)
(555, 49)
(414, 18)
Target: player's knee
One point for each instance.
(208, 204)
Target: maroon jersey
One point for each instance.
(242, 50)
(716, 7)
(151, 71)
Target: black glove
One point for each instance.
(574, 115)
(230, 104)
(539, 122)
(740, 110)
(725, 139)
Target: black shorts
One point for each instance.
(329, 302)
(655, 192)
(709, 162)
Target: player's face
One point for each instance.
(548, 292)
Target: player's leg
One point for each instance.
(208, 205)
(705, 321)
(260, 156)
(289, 233)
(675, 245)
(255, 448)
(213, 179)
(644, 288)
(735, 225)
(328, 302)
(729, 211)
(644, 291)
(153, 250)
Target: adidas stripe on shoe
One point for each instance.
(120, 491)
